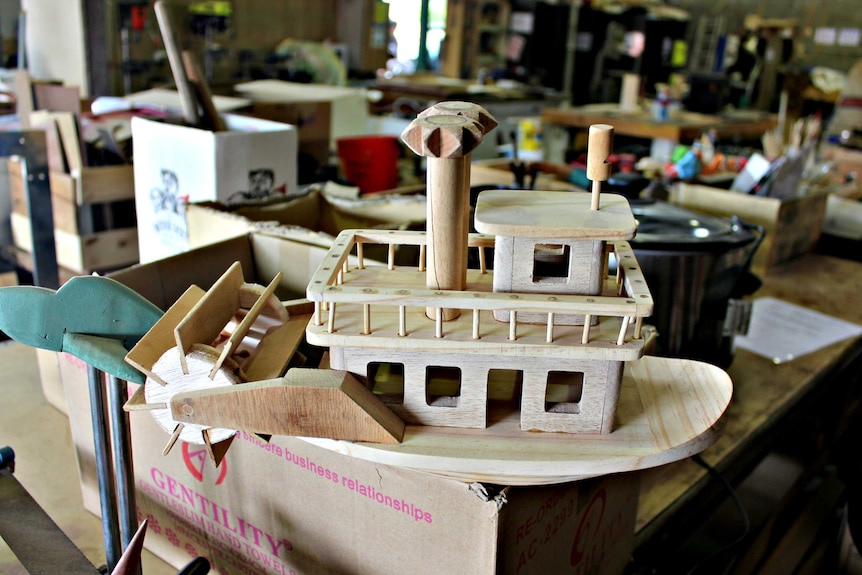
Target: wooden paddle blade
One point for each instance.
(173, 439)
(306, 402)
(217, 450)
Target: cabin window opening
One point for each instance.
(386, 381)
(551, 263)
(504, 393)
(564, 392)
(442, 386)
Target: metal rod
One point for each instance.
(121, 444)
(104, 467)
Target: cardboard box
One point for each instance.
(316, 211)
(291, 507)
(175, 165)
(792, 226)
(94, 217)
(311, 222)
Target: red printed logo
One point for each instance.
(197, 459)
(585, 544)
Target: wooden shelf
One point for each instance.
(476, 33)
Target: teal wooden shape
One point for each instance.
(85, 305)
(103, 353)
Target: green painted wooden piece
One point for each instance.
(102, 353)
(84, 305)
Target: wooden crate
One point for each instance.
(792, 226)
(93, 217)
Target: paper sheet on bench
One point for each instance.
(782, 331)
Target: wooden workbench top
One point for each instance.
(681, 126)
(764, 393)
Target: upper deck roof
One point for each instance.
(536, 214)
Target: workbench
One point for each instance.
(681, 127)
(809, 402)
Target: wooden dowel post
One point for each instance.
(446, 134)
(360, 255)
(330, 327)
(623, 327)
(599, 147)
(588, 319)
(402, 320)
(475, 324)
(390, 260)
(447, 234)
(366, 319)
(549, 336)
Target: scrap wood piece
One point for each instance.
(174, 52)
(210, 119)
(306, 402)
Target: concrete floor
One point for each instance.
(45, 461)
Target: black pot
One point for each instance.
(694, 265)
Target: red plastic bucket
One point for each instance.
(370, 162)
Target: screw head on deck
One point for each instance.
(459, 108)
(443, 136)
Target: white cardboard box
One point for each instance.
(289, 507)
(175, 165)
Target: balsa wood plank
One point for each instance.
(306, 402)
(67, 125)
(650, 431)
(44, 120)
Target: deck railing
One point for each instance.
(631, 303)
